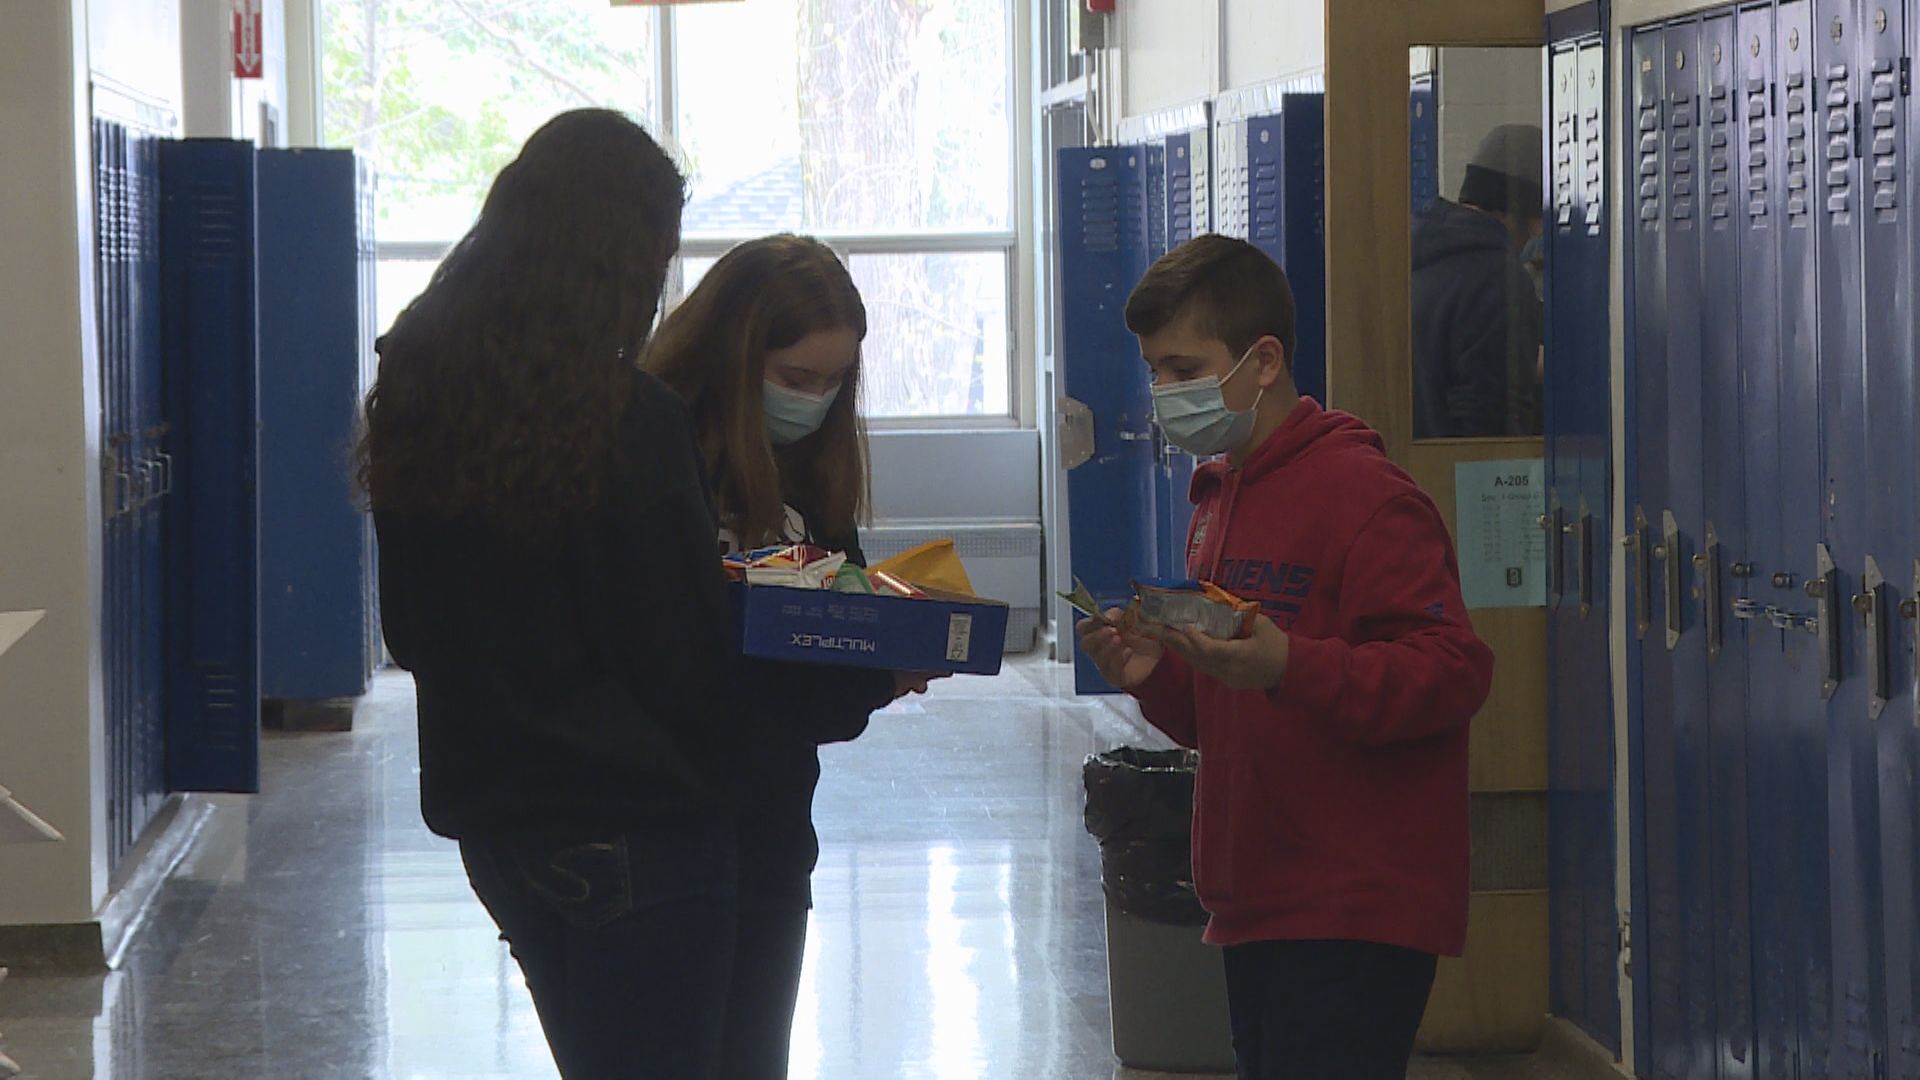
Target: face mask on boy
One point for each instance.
(792, 415)
(1195, 416)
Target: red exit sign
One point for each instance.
(248, 39)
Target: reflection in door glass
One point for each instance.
(1478, 361)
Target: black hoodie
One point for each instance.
(1476, 328)
(588, 679)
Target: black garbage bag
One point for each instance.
(1140, 808)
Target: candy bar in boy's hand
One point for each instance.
(1197, 605)
(1082, 600)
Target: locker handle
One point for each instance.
(1911, 608)
(1707, 565)
(165, 461)
(1870, 605)
(119, 485)
(144, 487)
(1825, 589)
(1672, 555)
(1583, 558)
(1554, 522)
(1640, 552)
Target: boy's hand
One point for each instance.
(1255, 662)
(1125, 659)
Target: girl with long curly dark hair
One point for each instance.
(766, 352)
(548, 573)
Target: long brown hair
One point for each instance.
(768, 294)
(502, 386)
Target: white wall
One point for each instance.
(1480, 89)
(219, 106)
(1169, 53)
(133, 43)
(1271, 40)
(51, 728)
(1177, 51)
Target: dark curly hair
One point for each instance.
(502, 386)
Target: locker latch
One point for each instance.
(1871, 605)
(1670, 552)
(1706, 564)
(1556, 548)
(1747, 608)
(1639, 551)
(1076, 433)
(1582, 529)
(1825, 624)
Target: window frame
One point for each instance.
(1015, 243)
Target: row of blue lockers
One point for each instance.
(1250, 164)
(234, 311)
(1771, 539)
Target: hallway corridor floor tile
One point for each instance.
(319, 930)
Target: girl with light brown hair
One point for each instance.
(766, 353)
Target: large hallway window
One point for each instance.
(885, 127)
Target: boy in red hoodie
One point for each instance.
(1330, 811)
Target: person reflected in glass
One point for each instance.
(1477, 313)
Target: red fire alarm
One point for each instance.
(1100, 7)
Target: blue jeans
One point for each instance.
(626, 939)
(772, 947)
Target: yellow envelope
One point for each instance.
(932, 565)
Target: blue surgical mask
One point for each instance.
(792, 415)
(1195, 417)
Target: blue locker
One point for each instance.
(1591, 427)
(135, 474)
(315, 555)
(1185, 163)
(1585, 946)
(1688, 912)
(1286, 218)
(1900, 756)
(1842, 210)
(1188, 183)
(1157, 211)
(1800, 494)
(1719, 562)
(211, 334)
(153, 470)
(1423, 144)
(1107, 432)
(1658, 955)
(1775, 828)
(1887, 575)
(1565, 899)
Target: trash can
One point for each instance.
(1167, 987)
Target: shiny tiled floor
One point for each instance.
(320, 931)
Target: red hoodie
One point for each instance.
(1335, 805)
